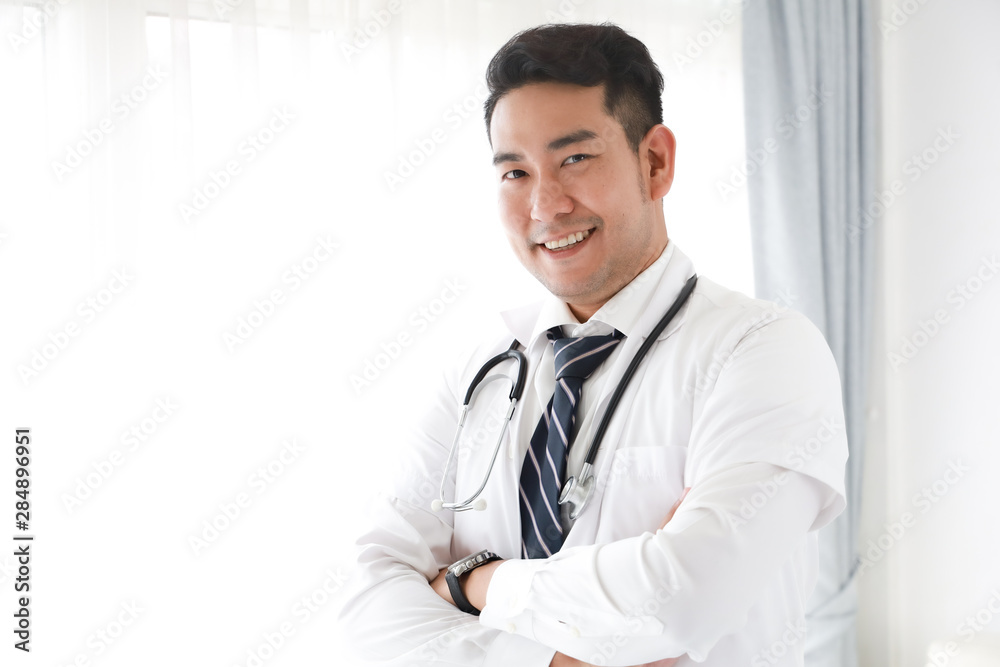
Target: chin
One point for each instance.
(571, 293)
(586, 288)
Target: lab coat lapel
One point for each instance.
(677, 271)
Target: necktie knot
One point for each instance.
(580, 357)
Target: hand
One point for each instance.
(562, 660)
(670, 514)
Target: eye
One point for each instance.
(514, 174)
(579, 157)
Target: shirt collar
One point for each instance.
(621, 312)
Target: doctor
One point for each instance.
(738, 402)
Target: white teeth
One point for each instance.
(569, 240)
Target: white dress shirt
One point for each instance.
(739, 399)
(620, 313)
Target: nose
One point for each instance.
(549, 199)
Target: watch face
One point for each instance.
(471, 562)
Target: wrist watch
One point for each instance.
(467, 564)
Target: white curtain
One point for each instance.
(810, 113)
(237, 239)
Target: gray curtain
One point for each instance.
(808, 72)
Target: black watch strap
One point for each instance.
(458, 595)
(467, 564)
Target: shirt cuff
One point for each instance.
(507, 596)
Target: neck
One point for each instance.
(584, 311)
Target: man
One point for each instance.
(737, 404)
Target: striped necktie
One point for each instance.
(544, 466)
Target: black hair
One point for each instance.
(586, 55)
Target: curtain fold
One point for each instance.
(808, 76)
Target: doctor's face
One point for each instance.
(581, 210)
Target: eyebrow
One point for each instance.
(554, 145)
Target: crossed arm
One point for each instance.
(741, 441)
(476, 583)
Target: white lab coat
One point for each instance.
(739, 400)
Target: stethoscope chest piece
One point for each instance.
(577, 491)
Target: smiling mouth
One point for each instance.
(567, 241)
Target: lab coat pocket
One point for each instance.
(643, 484)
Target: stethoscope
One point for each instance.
(576, 493)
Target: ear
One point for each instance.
(658, 147)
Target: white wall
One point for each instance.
(937, 409)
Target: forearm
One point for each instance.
(682, 589)
(665, 594)
(475, 585)
(391, 616)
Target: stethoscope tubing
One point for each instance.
(522, 373)
(517, 390)
(640, 354)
